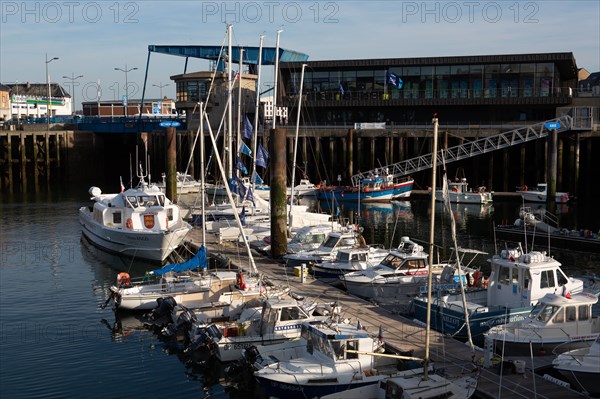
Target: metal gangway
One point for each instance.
(466, 150)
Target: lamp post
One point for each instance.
(126, 70)
(160, 86)
(73, 78)
(49, 107)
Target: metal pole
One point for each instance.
(73, 78)
(296, 145)
(275, 76)
(229, 111)
(256, 111)
(49, 107)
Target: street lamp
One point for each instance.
(73, 78)
(160, 86)
(49, 107)
(126, 104)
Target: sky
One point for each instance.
(92, 38)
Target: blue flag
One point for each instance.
(341, 88)
(393, 80)
(234, 185)
(244, 149)
(262, 156)
(247, 131)
(240, 165)
(256, 178)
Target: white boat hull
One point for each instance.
(140, 244)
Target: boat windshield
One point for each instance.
(309, 238)
(546, 313)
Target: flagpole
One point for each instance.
(239, 107)
(296, 146)
(256, 111)
(202, 185)
(229, 113)
(276, 74)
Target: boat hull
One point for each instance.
(403, 292)
(154, 246)
(451, 320)
(385, 194)
(465, 198)
(583, 381)
(280, 389)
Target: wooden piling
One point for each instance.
(551, 173)
(278, 192)
(350, 152)
(171, 164)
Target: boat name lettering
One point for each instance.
(137, 238)
(286, 387)
(237, 346)
(450, 320)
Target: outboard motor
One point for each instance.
(163, 311)
(182, 326)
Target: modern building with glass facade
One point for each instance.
(466, 89)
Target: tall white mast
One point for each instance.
(239, 107)
(276, 73)
(431, 237)
(229, 112)
(296, 143)
(202, 186)
(256, 108)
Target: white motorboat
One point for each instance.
(138, 222)
(581, 367)
(185, 183)
(459, 192)
(348, 260)
(335, 241)
(336, 357)
(303, 239)
(539, 194)
(278, 320)
(304, 189)
(189, 283)
(556, 322)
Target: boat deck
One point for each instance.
(400, 333)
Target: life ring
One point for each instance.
(129, 224)
(123, 279)
(240, 281)
(523, 188)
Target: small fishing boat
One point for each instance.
(581, 367)
(555, 321)
(278, 320)
(539, 194)
(189, 283)
(336, 240)
(459, 192)
(373, 188)
(185, 183)
(348, 260)
(138, 222)
(304, 189)
(518, 280)
(336, 357)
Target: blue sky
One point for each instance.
(91, 38)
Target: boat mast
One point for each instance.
(296, 145)
(229, 113)
(276, 73)
(202, 186)
(239, 106)
(431, 237)
(256, 110)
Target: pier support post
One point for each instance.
(47, 155)
(372, 157)
(522, 165)
(171, 165)
(35, 160)
(559, 163)
(552, 163)
(359, 152)
(506, 164)
(191, 150)
(332, 157)
(23, 152)
(575, 167)
(491, 172)
(350, 152)
(278, 193)
(10, 162)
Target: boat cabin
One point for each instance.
(334, 344)
(558, 310)
(521, 279)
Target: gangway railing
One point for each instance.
(470, 149)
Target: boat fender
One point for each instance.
(129, 224)
(455, 189)
(523, 188)
(477, 279)
(123, 279)
(240, 281)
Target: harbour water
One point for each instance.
(56, 341)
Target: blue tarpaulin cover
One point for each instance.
(197, 261)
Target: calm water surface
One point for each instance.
(56, 342)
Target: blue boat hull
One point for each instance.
(385, 194)
(452, 321)
(290, 391)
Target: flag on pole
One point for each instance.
(262, 156)
(256, 178)
(244, 149)
(121, 182)
(240, 165)
(393, 80)
(341, 88)
(359, 326)
(247, 131)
